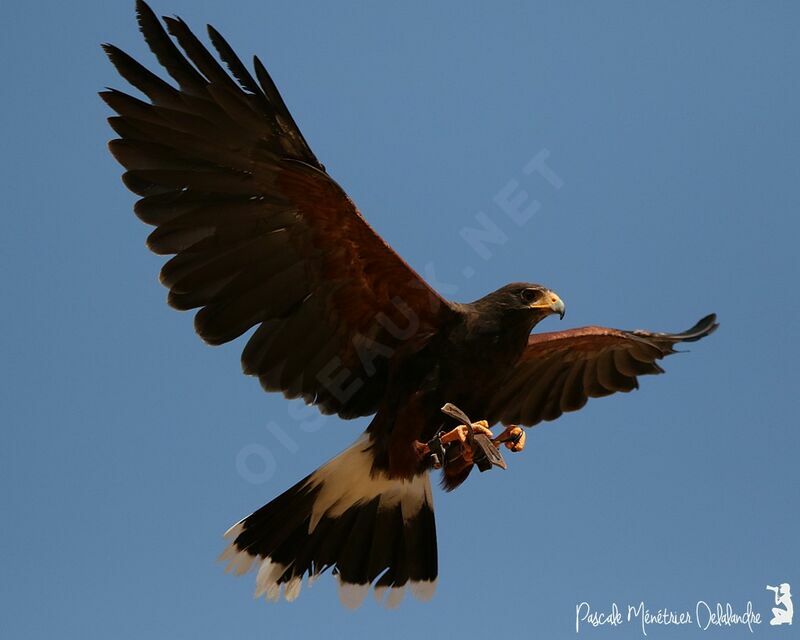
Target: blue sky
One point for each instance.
(130, 447)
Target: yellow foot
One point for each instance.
(461, 435)
(513, 437)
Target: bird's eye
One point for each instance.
(530, 295)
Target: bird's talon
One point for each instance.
(459, 434)
(482, 427)
(470, 450)
(513, 438)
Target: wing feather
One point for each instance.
(560, 371)
(259, 234)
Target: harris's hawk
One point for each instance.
(261, 236)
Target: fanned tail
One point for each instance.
(371, 529)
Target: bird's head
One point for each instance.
(527, 300)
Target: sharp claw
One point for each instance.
(459, 435)
(513, 438)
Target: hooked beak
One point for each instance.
(551, 302)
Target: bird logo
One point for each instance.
(783, 611)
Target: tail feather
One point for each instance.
(370, 529)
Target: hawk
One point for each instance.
(262, 237)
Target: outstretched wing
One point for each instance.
(560, 371)
(261, 235)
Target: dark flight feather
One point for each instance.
(222, 168)
(167, 53)
(610, 359)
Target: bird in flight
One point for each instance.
(261, 236)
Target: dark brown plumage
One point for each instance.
(261, 236)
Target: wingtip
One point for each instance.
(710, 321)
(108, 95)
(704, 327)
(212, 32)
(173, 19)
(142, 8)
(115, 55)
(147, 18)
